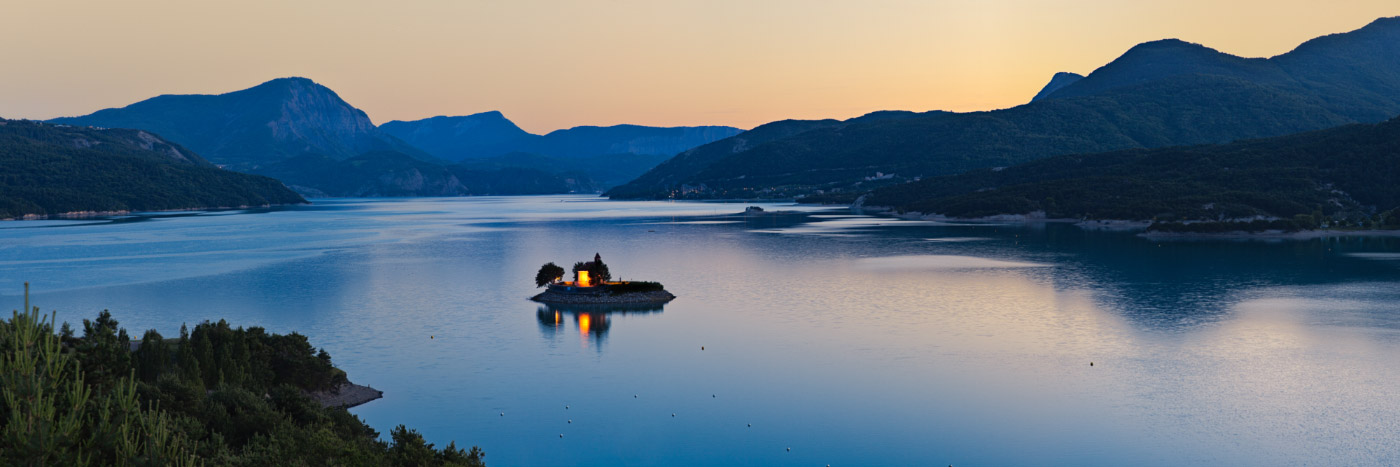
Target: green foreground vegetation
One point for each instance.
(216, 395)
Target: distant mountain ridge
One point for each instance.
(1157, 94)
(48, 170)
(484, 134)
(304, 133)
(274, 120)
(490, 134)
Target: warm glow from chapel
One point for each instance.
(583, 280)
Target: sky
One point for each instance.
(555, 64)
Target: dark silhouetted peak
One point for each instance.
(1389, 24)
(886, 114)
(290, 81)
(1379, 37)
(285, 86)
(1169, 58)
(1168, 53)
(1060, 80)
(1170, 43)
(893, 115)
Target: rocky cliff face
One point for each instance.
(314, 116)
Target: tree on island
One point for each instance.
(581, 266)
(548, 273)
(599, 273)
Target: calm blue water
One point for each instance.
(852, 340)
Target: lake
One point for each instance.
(811, 337)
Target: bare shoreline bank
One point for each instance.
(347, 395)
(1271, 234)
(78, 215)
(1125, 225)
(638, 298)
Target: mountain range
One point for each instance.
(245, 129)
(490, 134)
(48, 169)
(1157, 94)
(1160, 94)
(306, 135)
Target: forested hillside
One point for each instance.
(48, 169)
(1348, 175)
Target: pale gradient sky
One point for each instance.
(550, 65)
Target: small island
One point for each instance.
(593, 285)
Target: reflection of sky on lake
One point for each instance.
(850, 342)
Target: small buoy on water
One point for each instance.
(789, 449)
(702, 347)
(571, 421)
(566, 407)
(561, 435)
(712, 395)
(430, 337)
(503, 414)
(750, 425)
(673, 415)
(1091, 363)
(634, 396)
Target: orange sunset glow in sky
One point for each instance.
(550, 65)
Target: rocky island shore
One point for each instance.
(634, 298)
(593, 285)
